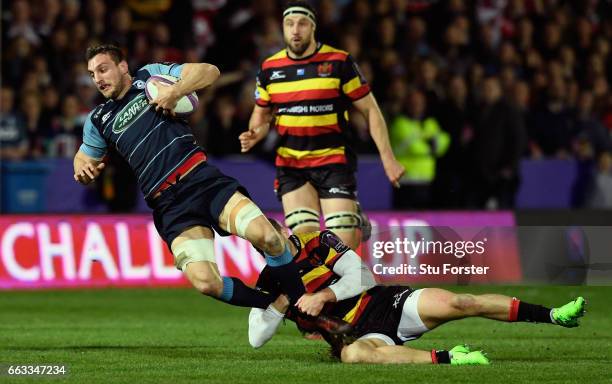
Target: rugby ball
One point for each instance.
(184, 106)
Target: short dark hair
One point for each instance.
(112, 50)
(300, 3)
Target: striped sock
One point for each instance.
(440, 357)
(533, 313)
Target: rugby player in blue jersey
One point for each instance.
(189, 197)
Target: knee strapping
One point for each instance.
(244, 217)
(194, 250)
(301, 217)
(342, 221)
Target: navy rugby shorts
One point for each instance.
(196, 199)
(330, 181)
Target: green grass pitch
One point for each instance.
(176, 336)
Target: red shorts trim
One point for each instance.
(182, 170)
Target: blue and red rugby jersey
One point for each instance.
(155, 146)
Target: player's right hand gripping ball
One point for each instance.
(184, 106)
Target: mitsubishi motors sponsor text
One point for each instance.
(304, 109)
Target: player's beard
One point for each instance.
(115, 90)
(298, 48)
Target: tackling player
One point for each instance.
(189, 197)
(338, 283)
(304, 91)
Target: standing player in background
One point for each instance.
(304, 91)
(189, 197)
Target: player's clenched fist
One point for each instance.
(85, 173)
(310, 304)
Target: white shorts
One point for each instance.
(410, 326)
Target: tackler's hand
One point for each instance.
(311, 303)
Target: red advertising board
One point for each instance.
(125, 250)
(85, 251)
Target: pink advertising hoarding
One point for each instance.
(125, 250)
(443, 247)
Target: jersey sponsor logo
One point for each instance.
(139, 84)
(130, 113)
(325, 69)
(277, 75)
(321, 108)
(302, 109)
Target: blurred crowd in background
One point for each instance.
(480, 84)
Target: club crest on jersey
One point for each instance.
(139, 84)
(130, 113)
(324, 69)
